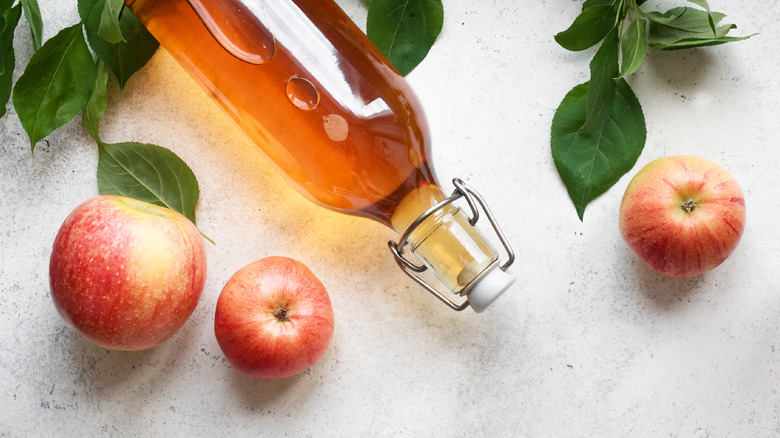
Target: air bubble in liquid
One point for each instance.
(302, 93)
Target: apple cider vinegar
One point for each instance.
(329, 110)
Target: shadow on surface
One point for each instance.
(663, 290)
(262, 395)
(680, 67)
(105, 372)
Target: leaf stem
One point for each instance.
(206, 237)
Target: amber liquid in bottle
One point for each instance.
(321, 103)
(327, 108)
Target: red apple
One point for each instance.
(125, 273)
(682, 215)
(273, 319)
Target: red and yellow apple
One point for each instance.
(125, 273)
(273, 319)
(682, 215)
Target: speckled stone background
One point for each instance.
(589, 342)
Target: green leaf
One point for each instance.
(696, 42)
(622, 4)
(149, 173)
(702, 3)
(685, 19)
(634, 47)
(404, 30)
(97, 104)
(682, 28)
(56, 84)
(603, 71)
(6, 83)
(590, 27)
(10, 19)
(32, 13)
(706, 6)
(123, 58)
(592, 3)
(590, 161)
(7, 58)
(109, 28)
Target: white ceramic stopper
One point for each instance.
(488, 288)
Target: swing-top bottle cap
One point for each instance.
(484, 285)
(488, 288)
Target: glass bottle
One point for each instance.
(337, 119)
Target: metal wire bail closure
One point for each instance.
(473, 199)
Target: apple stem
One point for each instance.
(689, 205)
(280, 313)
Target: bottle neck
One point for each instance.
(445, 242)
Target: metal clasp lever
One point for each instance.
(473, 199)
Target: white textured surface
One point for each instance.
(588, 342)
